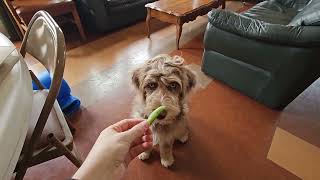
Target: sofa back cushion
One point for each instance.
(308, 16)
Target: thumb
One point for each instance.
(136, 131)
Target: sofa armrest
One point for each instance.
(305, 36)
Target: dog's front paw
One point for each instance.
(144, 156)
(167, 162)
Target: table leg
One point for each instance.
(179, 30)
(148, 22)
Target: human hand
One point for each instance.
(115, 147)
(131, 137)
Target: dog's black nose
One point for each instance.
(162, 115)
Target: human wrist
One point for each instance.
(102, 161)
(92, 169)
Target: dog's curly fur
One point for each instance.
(163, 80)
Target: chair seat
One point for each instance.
(53, 124)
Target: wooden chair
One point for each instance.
(25, 9)
(48, 136)
(16, 21)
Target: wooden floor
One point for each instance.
(232, 136)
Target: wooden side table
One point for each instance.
(179, 12)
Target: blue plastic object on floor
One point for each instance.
(68, 103)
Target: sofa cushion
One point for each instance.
(297, 4)
(309, 16)
(271, 12)
(300, 4)
(121, 6)
(113, 3)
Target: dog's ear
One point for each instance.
(136, 77)
(191, 79)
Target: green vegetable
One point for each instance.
(153, 116)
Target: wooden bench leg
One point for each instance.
(78, 23)
(148, 22)
(223, 4)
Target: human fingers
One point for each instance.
(140, 140)
(136, 150)
(148, 132)
(125, 124)
(136, 131)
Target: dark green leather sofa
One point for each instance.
(105, 15)
(270, 53)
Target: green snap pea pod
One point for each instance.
(153, 116)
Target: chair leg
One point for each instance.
(71, 127)
(58, 144)
(20, 173)
(78, 23)
(76, 153)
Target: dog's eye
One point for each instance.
(173, 85)
(152, 86)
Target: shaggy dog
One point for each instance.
(164, 80)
